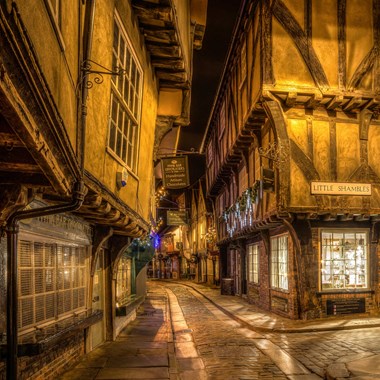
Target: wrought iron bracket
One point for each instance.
(274, 152)
(89, 67)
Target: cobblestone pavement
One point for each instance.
(178, 334)
(228, 350)
(317, 351)
(234, 352)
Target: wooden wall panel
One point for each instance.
(297, 8)
(297, 130)
(359, 39)
(325, 37)
(299, 188)
(321, 144)
(348, 150)
(284, 52)
(374, 148)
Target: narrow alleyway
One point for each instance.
(180, 334)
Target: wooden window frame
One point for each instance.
(340, 257)
(279, 262)
(125, 101)
(253, 263)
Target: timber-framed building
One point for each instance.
(292, 150)
(88, 91)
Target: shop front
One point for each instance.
(314, 269)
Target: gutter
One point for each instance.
(88, 32)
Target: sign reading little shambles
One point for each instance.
(175, 173)
(340, 188)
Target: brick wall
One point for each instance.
(50, 364)
(282, 303)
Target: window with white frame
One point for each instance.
(253, 263)
(126, 96)
(279, 262)
(344, 259)
(52, 280)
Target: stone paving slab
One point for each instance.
(365, 366)
(190, 364)
(133, 373)
(287, 364)
(138, 361)
(194, 375)
(81, 374)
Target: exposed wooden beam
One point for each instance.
(10, 140)
(164, 36)
(29, 179)
(19, 167)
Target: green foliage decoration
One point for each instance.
(242, 203)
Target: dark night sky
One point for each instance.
(208, 68)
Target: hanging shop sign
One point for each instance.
(176, 218)
(340, 188)
(175, 172)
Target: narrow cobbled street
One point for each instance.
(179, 334)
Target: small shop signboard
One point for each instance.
(175, 172)
(340, 188)
(176, 218)
(345, 306)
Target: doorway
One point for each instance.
(236, 270)
(98, 330)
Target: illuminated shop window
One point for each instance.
(253, 263)
(123, 281)
(125, 100)
(52, 280)
(344, 260)
(279, 262)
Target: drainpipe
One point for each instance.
(87, 46)
(12, 229)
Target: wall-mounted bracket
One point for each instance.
(87, 68)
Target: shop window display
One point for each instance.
(344, 260)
